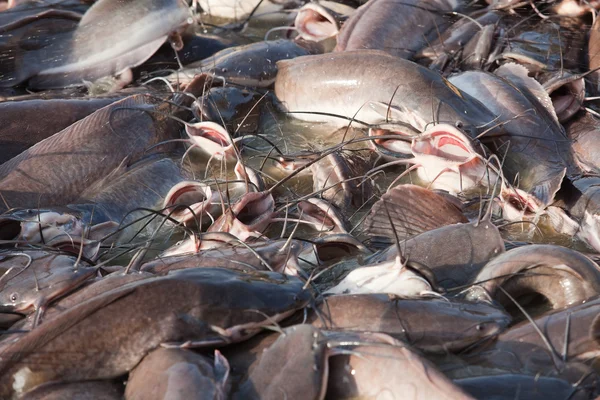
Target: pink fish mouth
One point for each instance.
(568, 98)
(444, 144)
(315, 23)
(212, 139)
(188, 201)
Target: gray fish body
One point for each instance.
(27, 286)
(252, 65)
(430, 325)
(584, 130)
(414, 23)
(111, 37)
(337, 173)
(120, 199)
(437, 250)
(537, 148)
(546, 45)
(563, 276)
(234, 106)
(177, 374)
(454, 38)
(17, 133)
(58, 169)
(367, 85)
(376, 370)
(175, 308)
(522, 349)
(295, 364)
(263, 257)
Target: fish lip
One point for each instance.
(311, 13)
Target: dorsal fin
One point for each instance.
(413, 210)
(519, 77)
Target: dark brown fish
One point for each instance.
(51, 116)
(54, 350)
(58, 169)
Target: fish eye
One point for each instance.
(14, 297)
(480, 327)
(458, 124)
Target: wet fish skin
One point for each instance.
(393, 370)
(33, 285)
(253, 65)
(594, 55)
(436, 249)
(406, 92)
(552, 46)
(58, 169)
(178, 374)
(415, 22)
(563, 276)
(453, 39)
(273, 254)
(53, 350)
(51, 116)
(294, 366)
(538, 156)
(340, 174)
(430, 325)
(88, 290)
(521, 348)
(583, 131)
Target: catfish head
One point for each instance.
(61, 229)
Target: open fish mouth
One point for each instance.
(10, 229)
(316, 23)
(444, 143)
(189, 201)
